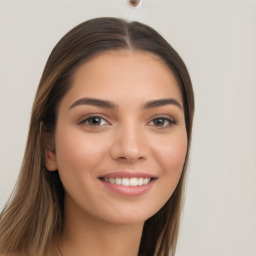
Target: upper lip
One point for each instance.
(128, 174)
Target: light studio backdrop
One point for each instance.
(217, 40)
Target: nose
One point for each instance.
(129, 144)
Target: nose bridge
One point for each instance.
(128, 142)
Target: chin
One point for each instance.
(130, 217)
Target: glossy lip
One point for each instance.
(128, 190)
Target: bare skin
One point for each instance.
(102, 239)
(137, 131)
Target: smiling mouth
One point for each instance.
(128, 182)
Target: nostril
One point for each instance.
(128, 146)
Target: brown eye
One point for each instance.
(162, 122)
(94, 121)
(159, 122)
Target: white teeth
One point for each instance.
(112, 180)
(128, 181)
(125, 182)
(146, 181)
(117, 181)
(133, 182)
(140, 183)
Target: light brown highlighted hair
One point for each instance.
(33, 216)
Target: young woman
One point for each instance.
(104, 167)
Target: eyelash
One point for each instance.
(90, 118)
(167, 121)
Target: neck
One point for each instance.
(85, 235)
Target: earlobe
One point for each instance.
(49, 149)
(50, 160)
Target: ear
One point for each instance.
(49, 148)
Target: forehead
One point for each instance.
(125, 73)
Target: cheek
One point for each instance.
(77, 153)
(78, 156)
(171, 152)
(171, 156)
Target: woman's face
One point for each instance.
(120, 139)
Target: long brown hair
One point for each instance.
(33, 216)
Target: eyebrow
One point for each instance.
(94, 102)
(162, 102)
(110, 105)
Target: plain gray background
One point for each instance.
(217, 40)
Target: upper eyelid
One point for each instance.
(164, 116)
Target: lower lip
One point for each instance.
(128, 190)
